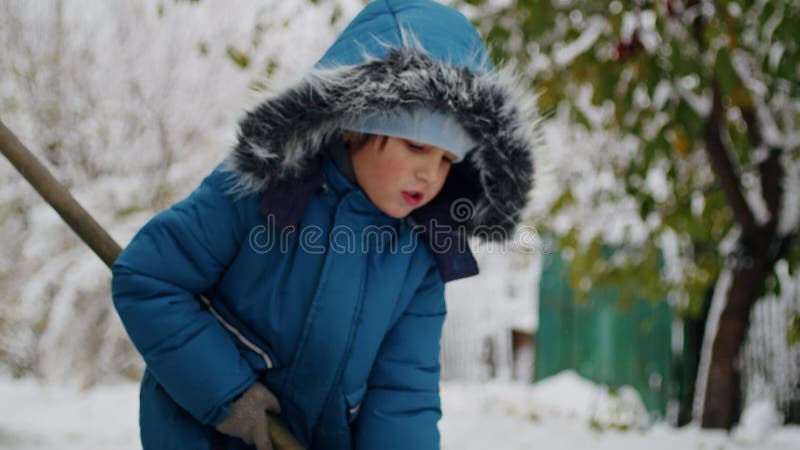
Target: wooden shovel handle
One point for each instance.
(58, 197)
(84, 225)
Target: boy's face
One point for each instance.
(399, 175)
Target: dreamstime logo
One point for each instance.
(439, 237)
(312, 239)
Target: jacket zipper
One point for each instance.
(246, 342)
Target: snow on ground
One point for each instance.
(554, 414)
(35, 416)
(559, 413)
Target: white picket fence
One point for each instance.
(770, 367)
(482, 312)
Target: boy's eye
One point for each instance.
(415, 147)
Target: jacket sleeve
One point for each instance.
(401, 407)
(183, 251)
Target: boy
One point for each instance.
(292, 279)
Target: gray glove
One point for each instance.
(247, 418)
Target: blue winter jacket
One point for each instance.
(278, 268)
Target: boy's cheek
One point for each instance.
(389, 172)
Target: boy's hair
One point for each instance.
(354, 139)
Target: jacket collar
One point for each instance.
(366, 212)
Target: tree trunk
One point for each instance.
(722, 400)
(759, 253)
(759, 248)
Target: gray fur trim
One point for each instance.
(279, 136)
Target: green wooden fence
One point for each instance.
(603, 341)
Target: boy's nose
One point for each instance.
(426, 172)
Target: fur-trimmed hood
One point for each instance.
(372, 68)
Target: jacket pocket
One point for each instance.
(353, 402)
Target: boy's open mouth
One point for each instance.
(412, 197)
